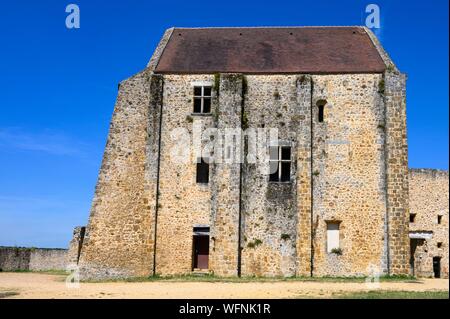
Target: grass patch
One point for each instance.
(54, 272)
(387, 294)
(254, 243)
(212, 278)
(44, 272)
(337, 251)
(381, 86)
(6, 294)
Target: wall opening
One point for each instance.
(414, 243)
(333, 243)
(321, 112)
(80, 243)
(439, 219)
(200, 254)
(202, 171)
(280, 164)
(412, 218)
(437, 267)
(202, 99)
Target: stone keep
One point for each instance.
(349, 169)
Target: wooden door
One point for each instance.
(201, 252)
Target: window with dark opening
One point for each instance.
(280, 164)
(439, 245)
(202, 99)
(202, 171)
(439, 219)
(412, 218)
(321, 113)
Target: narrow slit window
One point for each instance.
(202, 171)
(321, 107)
(439, 219)
(332, 236)
(412, 218)
(321, 110)
(280, 164)
(202, 99)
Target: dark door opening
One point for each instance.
(201, 252)
(437, 267)
(414, 242)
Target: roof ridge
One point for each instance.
(271, 27)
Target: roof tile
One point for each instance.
(270, 50)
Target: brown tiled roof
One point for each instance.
(270, 50)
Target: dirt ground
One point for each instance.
(32, 285)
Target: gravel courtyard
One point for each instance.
(34, 285)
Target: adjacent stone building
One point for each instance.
(428, 222)
(328, 197)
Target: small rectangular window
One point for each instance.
(273, 153)
(332, 236)
(285, 175)
(198, 91)
(280, 163)
(207, 105)
(439, 245)
(197, 105)
(273, 172)
(286, 153)
(321, 109)
(439, 220)
(202, 171)
(412, 218)
(207, 91)
(202, 99)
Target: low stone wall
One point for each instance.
(12, 258)
(48, 259)
(34, 259)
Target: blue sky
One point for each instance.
(58, 88)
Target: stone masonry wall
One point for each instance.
(304, 177)
(33, 259)
(225, 182)
(42, 259)
(348, 173)
(183, 203)
(14, 258)
(269, 216)
(75, 245)
(348, 177)
(119, 238)
(428, 199)
(394, 91)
